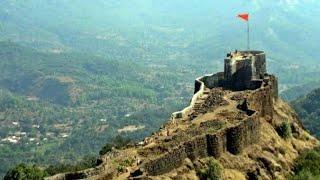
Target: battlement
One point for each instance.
(244, 69)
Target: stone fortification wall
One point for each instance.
(214, 80)
(196, 148)
(208, 81)
(259, 66)
(198, 93)
(166, 162)
(240, 136)
(225, 139)
(245, 71)
(217, 144)
(80, 174)
(243, 67)
(261, 100)
(233, 139)
(273, 81)
(238, 74)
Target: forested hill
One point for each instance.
(60, 78)
(59, 107)
(308, 108)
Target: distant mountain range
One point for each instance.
(187, 33)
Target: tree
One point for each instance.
(24, 172)
(307, 165)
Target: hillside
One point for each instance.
(236, 127)
(69, 105)
(308, 110)
(298, 91)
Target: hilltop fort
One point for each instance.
(243, 70)
(233, 117)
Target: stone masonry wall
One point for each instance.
(241, 136)
(217, 144)
(265, 95)
(259, 66)
(233, 139)
(166, 162)
(214, 80)
(196, 147)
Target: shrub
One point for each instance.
(105, 149)
(212, 172)
(85, 163)
(120, 168)
(118, 142)
(305, 175)
(284, 130)
(23, 171)
(307, 165)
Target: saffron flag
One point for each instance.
(244, 16)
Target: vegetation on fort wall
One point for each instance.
(307, 166)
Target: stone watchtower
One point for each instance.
(244, 69)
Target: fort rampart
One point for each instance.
(207, 81)
(232, 139)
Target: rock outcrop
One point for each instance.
(233, 122)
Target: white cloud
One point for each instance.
(289, 4)
(271, 33)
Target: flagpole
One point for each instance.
(246, 18)
(248, 35)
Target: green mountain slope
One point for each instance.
(296, 92)
(308, 110)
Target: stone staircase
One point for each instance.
(197, 108)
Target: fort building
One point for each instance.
(244, 69)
